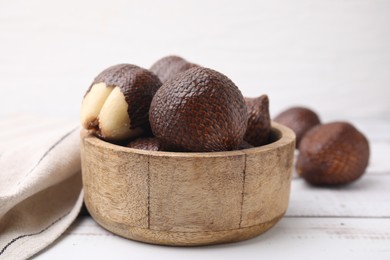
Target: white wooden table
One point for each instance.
(351, 222)
(333, 56)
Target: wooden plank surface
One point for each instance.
(368, 197)
(291, 238)
(349, 222)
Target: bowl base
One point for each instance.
(170, 238)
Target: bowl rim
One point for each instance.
(286, 136)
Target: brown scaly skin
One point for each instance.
(259, 122)
(138, 86)
(299, 119)
(202, 111)
(146, 143)
(245, 145)
(333, 154)
(170, 67)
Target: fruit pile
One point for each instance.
(335, 153)
(180, 106)
(174, 106)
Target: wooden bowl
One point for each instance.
(188, 199)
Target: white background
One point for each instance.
(333, 56)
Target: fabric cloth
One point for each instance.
(40, 183)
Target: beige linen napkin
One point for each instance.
(40, 183)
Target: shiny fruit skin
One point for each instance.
(333, 154)
(299, 119)
(202, 111)
(146, 143)
(169, 67)
(259, 122)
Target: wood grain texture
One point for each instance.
(193, 195)
(188, 198)
(178, 238)
(116, 184)
(291, 238)
(267, 184)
